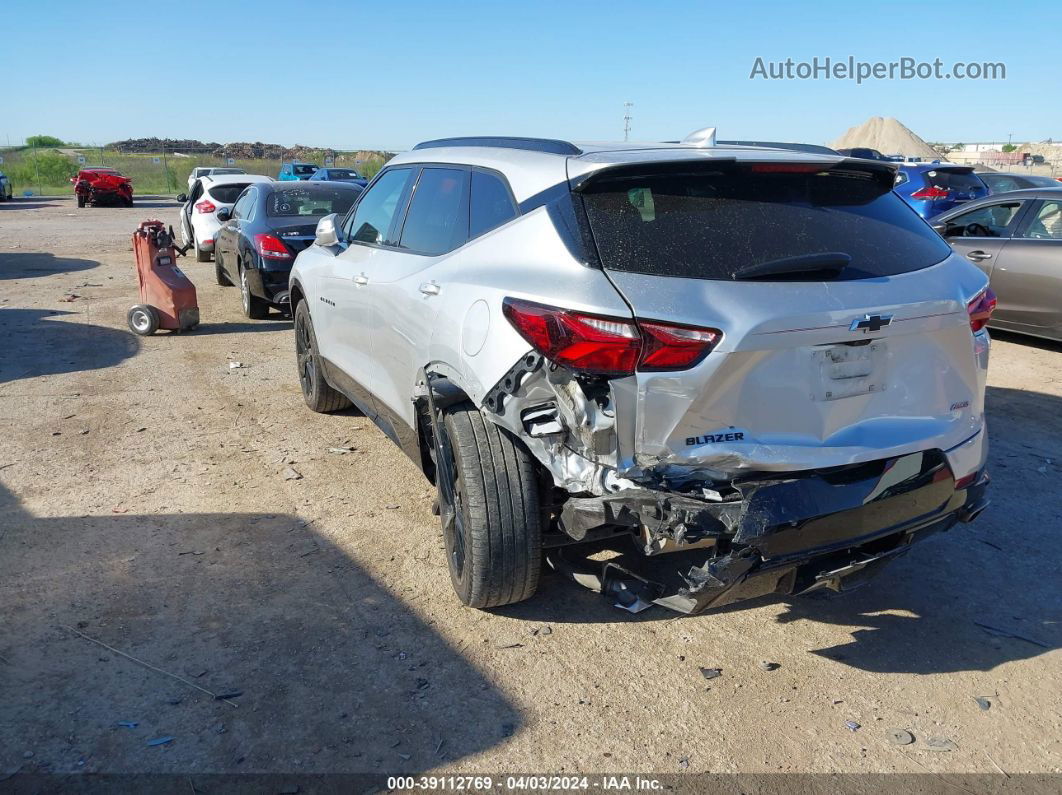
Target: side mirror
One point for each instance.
(182, 198)
(224, 214)
(326, 232)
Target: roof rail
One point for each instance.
(550, 145)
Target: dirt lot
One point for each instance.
(143, 503)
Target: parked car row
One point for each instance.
(5, 188)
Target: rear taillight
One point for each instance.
(606, 345)
(271, 247)
(981, 308)
(205, 207)
(931, 192)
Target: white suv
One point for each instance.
(756, 367)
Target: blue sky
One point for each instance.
(386, 75)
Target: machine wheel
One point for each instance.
(494, 538)
(253, 306)
(318, 393)
(143, 320)
(200, 255)
(80, 201)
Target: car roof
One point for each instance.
(226, 179)
(541, 164)
(1010, 195)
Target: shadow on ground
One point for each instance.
(333, 673)
(923, 613)
(26, 204)
(37, 342)
(17, 265)
(255, 326)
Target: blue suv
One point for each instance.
(933, 188)
(295, 170)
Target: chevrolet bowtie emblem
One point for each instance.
(870, 323)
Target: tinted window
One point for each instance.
(710, 225)
(959, 181)
(242, 208)
(1000, 183)
(301, 170)
(490, 204)
(989, 221)
(1047, 225)
(303, 201)
(437, 220)
(227, 171)
(341, 173)
(377, 208)
(227, 194)
(1043, 182)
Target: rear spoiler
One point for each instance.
(879, 171)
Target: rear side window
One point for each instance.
(227, 194)
(710, 225)
(437, 221)
(373, 216)
(491, 205)
(962, 181)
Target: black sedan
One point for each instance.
(269, 224)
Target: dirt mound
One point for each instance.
(889, 137)
(159, 145)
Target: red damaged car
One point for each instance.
(102, 186)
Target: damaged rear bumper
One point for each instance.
(787, 535)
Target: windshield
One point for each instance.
(342, 173)
(300, 201)
(304, 169)
(713, 225)
(218, 171)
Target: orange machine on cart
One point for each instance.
(167, 296)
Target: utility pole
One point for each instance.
(1010, 139)
(627, 120)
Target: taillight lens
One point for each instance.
(605, 345)
(205, 207)
(981, 308)
(930, 193)
(271, 247)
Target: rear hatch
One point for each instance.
(845, 333)
(293, 212)
(949, 186)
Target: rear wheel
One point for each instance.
(492, 521)
(80, 201)
(200, 255)
(143, 320)
(253, 306)
(318, 393)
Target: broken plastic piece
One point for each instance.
(900, 737)
(711, 673)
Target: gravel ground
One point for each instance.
(144, 505)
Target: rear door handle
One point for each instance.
(977, 256)
(429, 288)
(361, 279)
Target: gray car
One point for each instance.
(1000, 182)
(1015, 238)
(740, 369)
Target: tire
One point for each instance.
(128, 202)
(200, 255)
(318, 393)
(143, 320)
(219, 269)
(494, 541)
(80, 201)
(253, 306)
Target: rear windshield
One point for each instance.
(305, 169)
(299, 201)
(341, 173)
(218, 171)
(710, 225)
(227, 194)
(949, 179)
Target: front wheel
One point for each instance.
(319, 395)
(492, 518)
(253, 306)
(80, 201)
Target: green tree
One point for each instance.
(1009, 147)
(55, 170)
(43, 141)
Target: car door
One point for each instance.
(189, 207)
(1028, 281)
(983, 233)
(401, 290)
(343, 314)
(228, 236)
